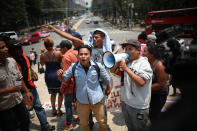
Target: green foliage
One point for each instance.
(17, 14)
(12, 14)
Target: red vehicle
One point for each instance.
(30, 38)
(186, 18)
(44, 34)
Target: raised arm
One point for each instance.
(75, 41)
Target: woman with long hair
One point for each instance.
(159, 80)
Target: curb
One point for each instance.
(75, 26)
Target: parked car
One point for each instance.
(44, 34)
(39, 31)
(87, 21)
(62, 28)
(30, 38)
(96, 22)
(12, 34)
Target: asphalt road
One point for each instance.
(84, 29)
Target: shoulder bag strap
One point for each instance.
(73, 72)
(98, 73)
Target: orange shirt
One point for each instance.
(69, 57)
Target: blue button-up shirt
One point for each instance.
(87, 85)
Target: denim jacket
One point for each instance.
(88, 89)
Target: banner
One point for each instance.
(113, 100)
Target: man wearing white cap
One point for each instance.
(151, 37)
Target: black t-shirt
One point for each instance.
(86, 69)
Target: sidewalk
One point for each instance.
(115, 119)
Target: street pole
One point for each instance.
(67, 14)
(131, 5)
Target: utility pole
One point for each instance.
(131, 7)
(67, 12)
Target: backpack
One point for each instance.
(73, 72)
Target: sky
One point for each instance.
(83, 2)
(89, 2)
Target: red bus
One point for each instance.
(186, 18)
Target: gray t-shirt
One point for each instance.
(97, 56)
(131, 93)
(9, 74)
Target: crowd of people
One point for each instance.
(76, 73)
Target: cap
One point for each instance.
(151, 36)
(65, 44)
(132, 42)
(33, 50)
(76, 34)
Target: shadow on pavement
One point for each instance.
(118, 118)
(58, 121)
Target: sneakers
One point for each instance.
(49, 128)
(68, 127)
(77, 120)
(54, 112)
(60, 112)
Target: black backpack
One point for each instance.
(73, 72)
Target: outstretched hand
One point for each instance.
(48, 28)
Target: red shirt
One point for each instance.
(69, 57)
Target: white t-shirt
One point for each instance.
(32, 56)
(131, 93)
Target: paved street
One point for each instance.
(84, 29)
(115, 119)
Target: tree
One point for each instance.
(12, 14)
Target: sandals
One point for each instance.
(60, 112)
(54, 112)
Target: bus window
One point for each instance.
(159, 20)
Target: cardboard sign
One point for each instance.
(113, 100)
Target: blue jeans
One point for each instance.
(40, 112)
(68, 106)
(136, 119)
